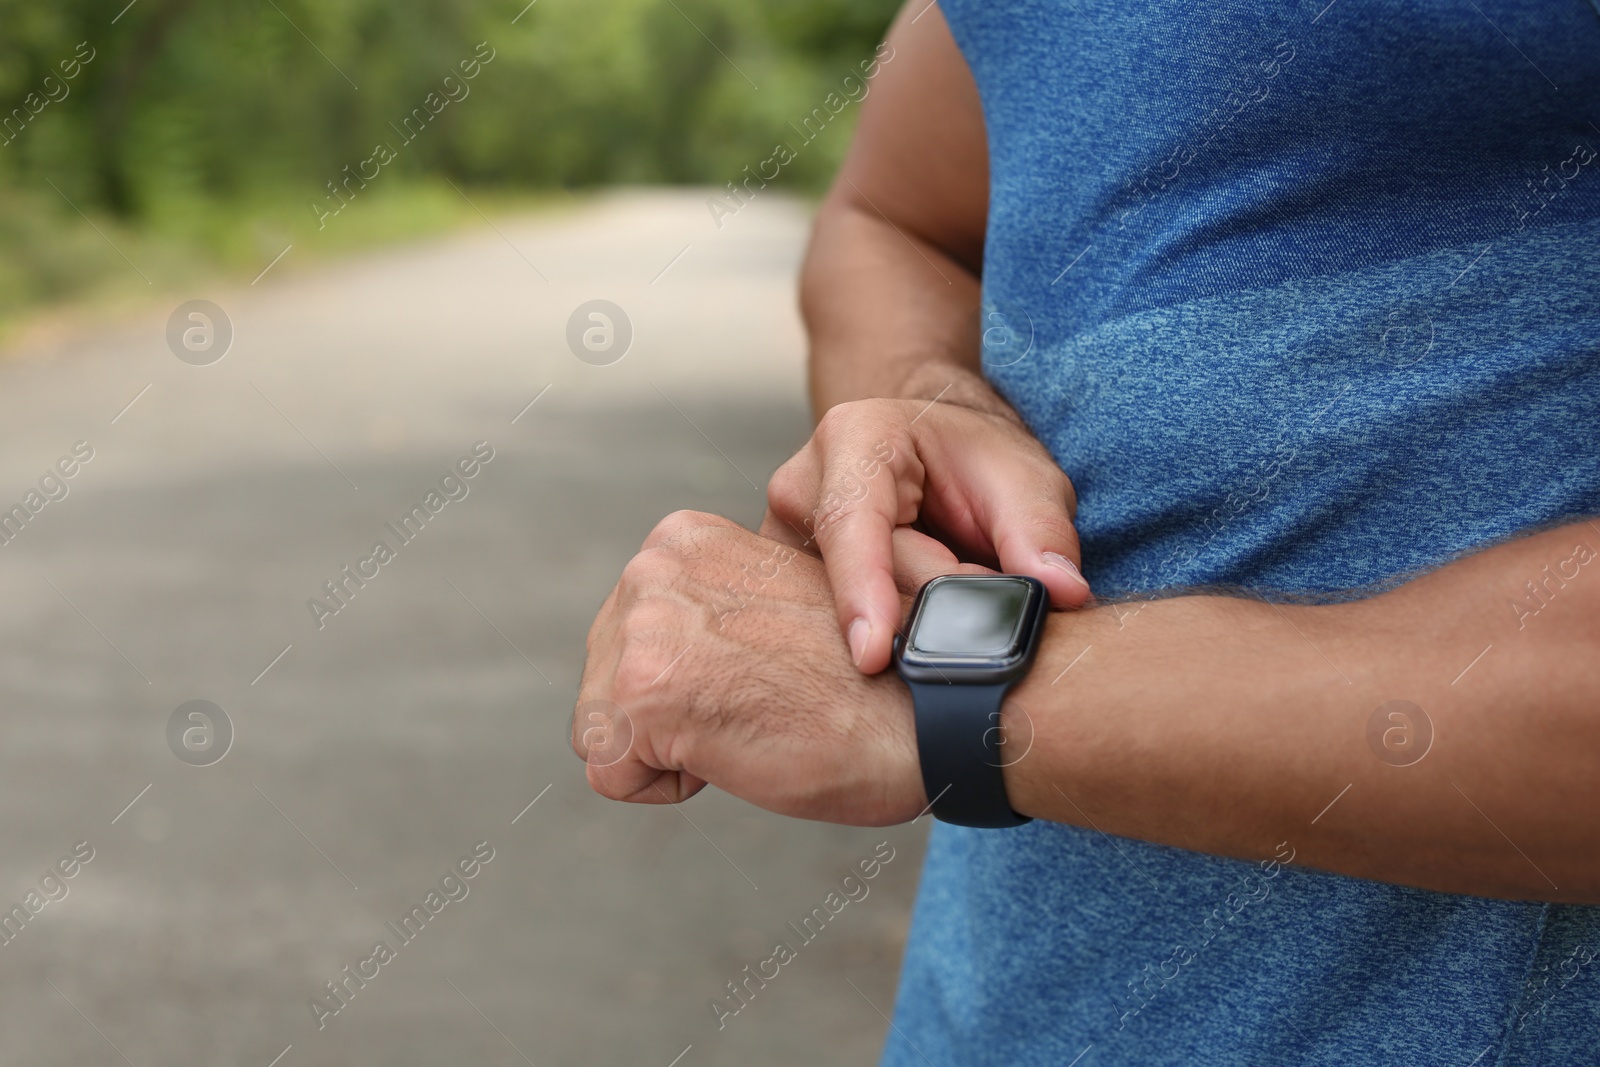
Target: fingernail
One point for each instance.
(1062, 563)
(860, 631)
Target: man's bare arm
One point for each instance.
(1230, 725)
(908, 429)
(890, 285)
(1219, 724)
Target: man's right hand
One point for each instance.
(976, 478)
(891, 294)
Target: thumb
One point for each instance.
(1036, 537)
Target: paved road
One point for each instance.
(424, 717)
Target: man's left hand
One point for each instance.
(717, 660)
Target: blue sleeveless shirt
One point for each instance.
(1304, 297)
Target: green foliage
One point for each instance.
(218, 123)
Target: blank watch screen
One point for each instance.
(970, 617)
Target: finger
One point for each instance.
(776, 529)
(865, 496)
(621, 751)
(596, 662)
(919, 558)
(793, 494)
(1033, 534)
(627, 759)
(598, 727)
(634, 782)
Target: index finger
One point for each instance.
(868, 490)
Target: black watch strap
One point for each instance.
(958, 743)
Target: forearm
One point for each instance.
(888, 313)
(1230, 726)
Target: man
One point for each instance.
(1306, 303)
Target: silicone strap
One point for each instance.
(958, 744)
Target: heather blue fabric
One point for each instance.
(1304, 297)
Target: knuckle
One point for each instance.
(652, 568)
(604, 783)
(836, 419)
(637, 671)
(871, 486)
(1052, 528)
(652, 618)
(853, 417)
(908, 501)
(786, 489)
(831, 511)
(1062, 492)
(677, 527)
(643, 655)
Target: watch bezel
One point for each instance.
(922, 667)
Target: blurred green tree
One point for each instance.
(198, 119)
(198, 98)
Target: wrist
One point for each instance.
(1043, 719)
(957, 385)
(969, 638)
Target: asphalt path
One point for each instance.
(372, 754)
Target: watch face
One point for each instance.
(971, 617)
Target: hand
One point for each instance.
(716, 660)
(978, 478)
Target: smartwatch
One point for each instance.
(969, 639)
